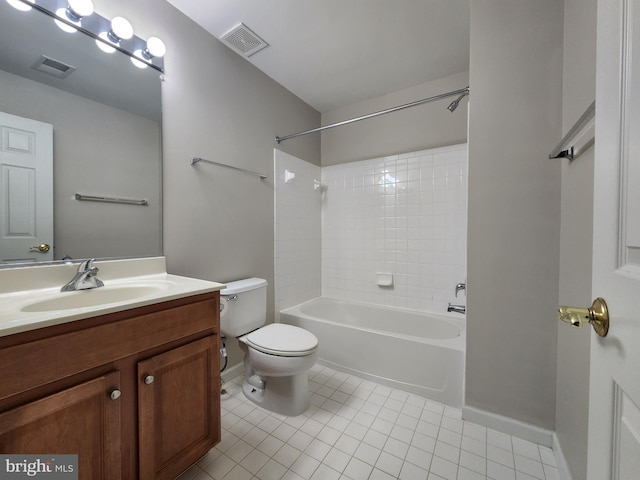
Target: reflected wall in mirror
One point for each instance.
(106, 122)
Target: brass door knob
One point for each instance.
(597, 316)
(42, 248)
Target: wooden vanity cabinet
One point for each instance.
(79, 419)
(136, 394)
(175, 408)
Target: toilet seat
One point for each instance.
(282, 340)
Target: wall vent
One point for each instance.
(243, 41)
(53, 67)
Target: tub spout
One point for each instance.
(457, 308)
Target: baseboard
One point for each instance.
(232, 372)
(509, 426)
(563, 467)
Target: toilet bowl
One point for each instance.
(277, 357)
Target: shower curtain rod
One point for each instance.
(462, 92)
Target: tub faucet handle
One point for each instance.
(460, 286)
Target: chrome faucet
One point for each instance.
(84, 278)
(457, 308)
(461, 286)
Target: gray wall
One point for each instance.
(421, 127)
(514, 208)
(218, 224)
(572, 400)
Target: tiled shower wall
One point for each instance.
(297, 231)
(403, 214)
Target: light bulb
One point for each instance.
(155, 48)
(121, 29)
(79, 9)
(103, 46)
(136, 61)
(18, 5)
(62, 13)
(75, 11)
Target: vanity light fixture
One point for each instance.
(18, 5)
(120, 30)
(75, 11)
(155, 48)
(117, 34)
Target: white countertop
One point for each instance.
(30, 297)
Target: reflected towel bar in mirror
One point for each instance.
(94, 198)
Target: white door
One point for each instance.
(26, 189)
(614, 397)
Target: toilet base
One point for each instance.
(284, 395)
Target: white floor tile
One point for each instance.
(337, 459)
(473, 462)
(529, 466)
(444, 468)
(238, 473)
(413, 472)
(356, 429)
(496, 471)
(389, 464)
(271, 471)
(287, 455)
(358, 470)
(499, 439)
(498, 455)
(526, 449)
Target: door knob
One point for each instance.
(42, 248)
(597, 315)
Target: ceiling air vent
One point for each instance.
(53, 67)
(241, 39)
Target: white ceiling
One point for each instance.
(333, 53)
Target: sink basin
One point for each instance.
(91, 298)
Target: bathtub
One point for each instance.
(419, 352)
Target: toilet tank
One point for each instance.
(245, 306)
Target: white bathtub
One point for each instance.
(419, 352)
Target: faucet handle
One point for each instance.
(86, 265)
(460, 286)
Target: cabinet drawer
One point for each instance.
(43, 361)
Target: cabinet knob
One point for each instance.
(115, 394)
(148, 380)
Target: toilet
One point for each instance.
(277, 357)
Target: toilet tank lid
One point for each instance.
(243, 285)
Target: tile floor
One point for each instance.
(356, 429)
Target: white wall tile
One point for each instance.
(403, 214)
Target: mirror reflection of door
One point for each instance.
(26, 189)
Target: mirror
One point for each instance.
(106, 122)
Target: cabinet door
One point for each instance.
(81, 420)
(178, 408)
